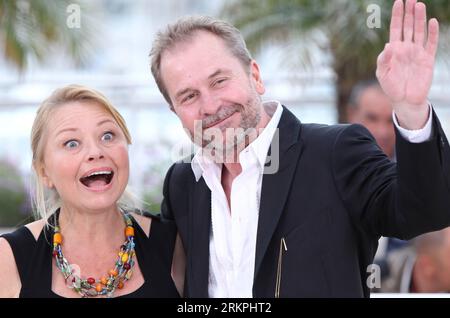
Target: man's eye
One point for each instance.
(71, 144)
(188, 97)
(108, 136)
(220, 81)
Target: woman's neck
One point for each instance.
(94, 227)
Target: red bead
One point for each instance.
(91, 281)
(55, 253)
(126, 266)
(73, 280)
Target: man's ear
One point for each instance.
(256, 77)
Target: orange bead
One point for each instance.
(57, 238)
(129, 231)
(98, 287)
(120, 286)
(104, 281)
(113, 272)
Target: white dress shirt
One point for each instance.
(232, 244)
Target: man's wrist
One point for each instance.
(416, 135)
(412, 117)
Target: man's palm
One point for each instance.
(405, 67)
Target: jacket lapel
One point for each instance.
(276, 186)
(200, 224)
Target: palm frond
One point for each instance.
(30, 28)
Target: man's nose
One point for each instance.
(210, 103)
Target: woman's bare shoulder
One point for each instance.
(9, 275)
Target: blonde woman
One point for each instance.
(88, 242)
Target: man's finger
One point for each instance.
(420, 23)
(396, 22)
(408, 24)
(433, 37)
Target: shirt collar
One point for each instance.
(257, 149)
(261, 144)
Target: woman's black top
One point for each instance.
(154, 253)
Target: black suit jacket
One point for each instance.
(334, 195)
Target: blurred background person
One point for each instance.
(423, 267)
(369, 106)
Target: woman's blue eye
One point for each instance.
(71, 144)
(108, 136)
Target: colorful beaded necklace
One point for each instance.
(91, 287)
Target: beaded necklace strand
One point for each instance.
(91, 287)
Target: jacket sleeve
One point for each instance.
(401, 200)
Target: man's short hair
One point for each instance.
(183, 30)
(359, 89)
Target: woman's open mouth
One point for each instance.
(98, 180)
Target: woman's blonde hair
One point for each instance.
(47, 201)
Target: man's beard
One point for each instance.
(226, 143)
